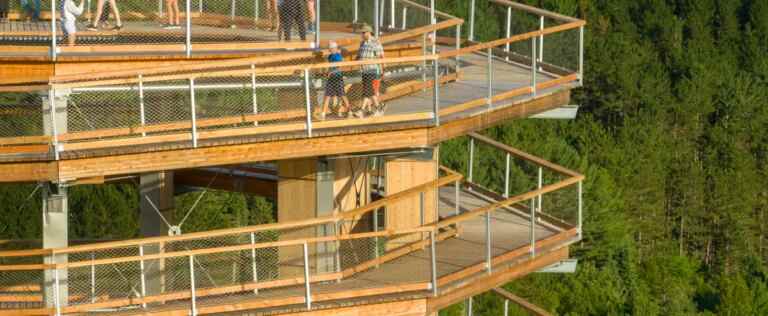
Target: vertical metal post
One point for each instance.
(471, 158)
(159, 7)
(192, 285)
(337, 230)
(200, 6)
(458, 47)
(308, 291)
(433, 258)
(256, 12)
(54, 127)
(457, 202)
(142, 270)
(581, 55)
(357, 12)
(422, 216)
(468, 305)
(54, 36)
(506, 177)
(232, 12)
(506, 307)
(308, 102)
(541, 180)
(472, 20)
(488, 253)
(436, 92)
(490, 78)
(509, 30)
(254, 271)
(534, 69)
(405, 17)
(142, 114)
(188, 35)
(317, 24)
(193, 108)
(254, 96)
(56, 293)
(392, 14)
(541, 39)
(424, 53)
(376, 229)
(93, 279)
(580, 209)
(533, 227)
(376, 22)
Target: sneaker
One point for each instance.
(117, 27)
(360, 114)
(378, 113)
(92, 27)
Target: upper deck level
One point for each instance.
(257, 107)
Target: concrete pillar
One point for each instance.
(157, 187)
(61, 97)
(55, 235)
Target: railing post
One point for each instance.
(581, 55)
(506, 307)
(534, 68)
(254, 96)
(471, 158)
(580, 209)
(54, 127)
(472, 20)
(432, 16)
(433, 258)
(392, 14)
(308, 291)
(468, 305)
(193, 292)
(337, 229)
(541, 179)
(56, 293)
(308, 102)
(254, 271)
(159, 8)
(490, 78)
(54, 46)
(188, 33)
(424, 53)
(255, 11)
(200, 6)
(376, 229)
(405, 17)
(488, 253)
(458, 47)
(143, 276)
(232, 13)
(142, 113)
(376, 21)
(509, 30)
(506, 177)
(356, 12)
(422, 216)
(436, 92)
(533, 227)
(457, 202)
(317, 24)
(541, 39)
(93, 279)
(193, 108)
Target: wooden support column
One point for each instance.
(158, 188)
(401, 174)
(296, 200)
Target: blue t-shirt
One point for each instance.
(335, 58)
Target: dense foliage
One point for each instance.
(672, 135)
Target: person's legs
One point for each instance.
(312, 14)
(299, 20)
(3, 9)
(99, 11)
(177, 12)
(36, 10)
(285, 22)
(116, 13)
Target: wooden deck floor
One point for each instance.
(403, 278)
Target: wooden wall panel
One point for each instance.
(296, 190)
(346, 187)
(402, 174)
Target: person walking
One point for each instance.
(31, 8)
(173, 15)
(334, 86)
(4, 10)
(292, 13)
(312, 15)
(70, 12)
(100, 9)
(370, 49)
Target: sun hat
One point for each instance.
(365, 28)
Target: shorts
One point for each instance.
(371, 84)
(334, 87)
(68, 27)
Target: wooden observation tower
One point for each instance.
(369, 222)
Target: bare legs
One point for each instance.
(115, 12)
(173, 12)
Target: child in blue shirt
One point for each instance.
(334, 86)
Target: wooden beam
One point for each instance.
(498, 278)
(528, 306)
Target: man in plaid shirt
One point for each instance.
(370, 49)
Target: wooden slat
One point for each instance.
(526, 156)
(528, 306)
(536, 11)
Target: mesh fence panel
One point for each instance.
(21, 114)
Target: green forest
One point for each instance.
(672, 136)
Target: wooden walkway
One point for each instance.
(406, 277)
